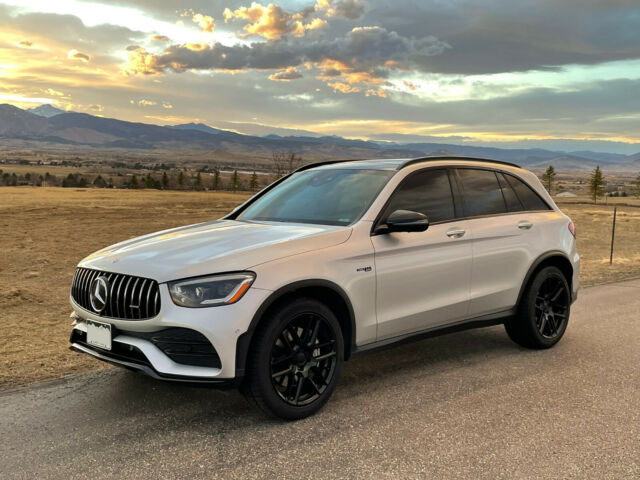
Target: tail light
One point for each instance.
(572, 229)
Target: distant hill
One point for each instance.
(51, 125)
(201, 127)
(46, 111)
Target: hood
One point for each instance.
(212, 247)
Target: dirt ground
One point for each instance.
(44, 232)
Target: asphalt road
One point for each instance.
(468, 405)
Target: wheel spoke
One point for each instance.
(325, 356)
(313, 384)
(314, 334)
(281, 373)
(557, 293)
(299, 389)
(543, 322)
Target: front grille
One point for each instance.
(128, 297)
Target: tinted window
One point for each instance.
(511, 199)
(530, 199)
(427, 192)
(481, 192)
(330, 196)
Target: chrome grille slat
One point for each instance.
(124, 291)
(144, 281)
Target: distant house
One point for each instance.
(566, 195)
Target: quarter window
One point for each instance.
(511, 199)
(530, 199)
(427, 192)
(481, 192)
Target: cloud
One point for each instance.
(272, 21)
(145, 103)
(290, 73)
(158, 38)
(205, 22)
(167, 105)
(347, 9)
(365, 55)
(76, 55)
(24, 44)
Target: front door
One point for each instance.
(423, 278)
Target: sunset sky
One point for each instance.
(551, 73)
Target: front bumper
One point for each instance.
(134, 349)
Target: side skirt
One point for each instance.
(469, 324)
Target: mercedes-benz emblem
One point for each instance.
(98, 294)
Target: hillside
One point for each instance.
(48, 125)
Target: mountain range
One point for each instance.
(54, 126)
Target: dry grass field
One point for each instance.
(44, 232)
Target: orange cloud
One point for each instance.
(272, 21)
(76, 55)
(205, 22)
(24, 44)
(159, 38)
(287, 75)
(343, 87)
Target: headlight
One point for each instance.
(211, 291)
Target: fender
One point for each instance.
(536, 264)
(244, 340)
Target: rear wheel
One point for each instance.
(543, 313)
(295, 360)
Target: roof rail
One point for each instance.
(408, 162)
(454, 157)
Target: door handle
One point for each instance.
(456, 233)
(525, 225)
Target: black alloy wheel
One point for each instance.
(303, 359)
(543, 313)
(295, 359)
(551, 307)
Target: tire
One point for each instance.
(295, 360)
(543, 313)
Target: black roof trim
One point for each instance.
(413, 161)
(409, 162)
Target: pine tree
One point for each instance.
(596, 184)
(253, 183)
(181, 179)
(215, 183)
(198, 183)
(134, 181)
(548, 177)
(636, 188)
(235, 181)
(165, 181)
(148, 181)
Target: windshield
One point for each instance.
(329, 197)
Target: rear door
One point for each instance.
(422, 278)
(504, 215)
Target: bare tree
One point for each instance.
(285, 162)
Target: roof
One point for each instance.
(398, 163)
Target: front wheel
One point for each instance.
(295, 360)
(543, 313)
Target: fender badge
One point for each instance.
(363, 269)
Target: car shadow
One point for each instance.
(132, 394)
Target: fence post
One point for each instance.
(613, 234)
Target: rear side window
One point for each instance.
(427, 192)
(481, 192)
(530, 199)
(510, 198)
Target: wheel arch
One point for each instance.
(555, 258)
(325, 291)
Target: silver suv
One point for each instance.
(333, 260)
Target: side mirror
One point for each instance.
(404, 221)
